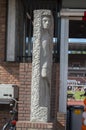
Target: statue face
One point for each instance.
(46, 22)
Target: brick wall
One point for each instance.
(9, 74)
(61, 118)
(54, 90)
(25, 91)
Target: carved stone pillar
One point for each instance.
(41, 65)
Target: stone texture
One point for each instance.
(41, 66)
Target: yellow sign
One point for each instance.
(77, 111)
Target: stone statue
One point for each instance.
(41, 65)
(46, 59)
(46, 46)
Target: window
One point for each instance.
(22, 37)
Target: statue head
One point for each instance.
(46, 22)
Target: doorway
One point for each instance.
(72, 59)
(76, 83)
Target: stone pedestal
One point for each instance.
(26, 125)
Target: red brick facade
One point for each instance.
(20, 74)
(25, 92)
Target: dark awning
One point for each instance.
(80, 4)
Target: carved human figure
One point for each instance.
(46, 59)
(46, 46)
(41, 65)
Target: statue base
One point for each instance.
(27, 125)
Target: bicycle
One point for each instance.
(11, 123)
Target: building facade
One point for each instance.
(16, 45)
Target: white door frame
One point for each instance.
(63, 63)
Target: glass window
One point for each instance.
(25, 48)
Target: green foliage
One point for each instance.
(76, 94)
